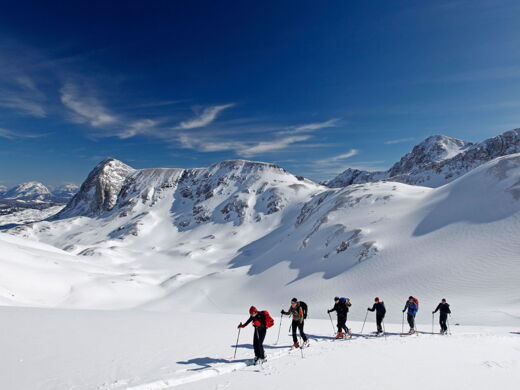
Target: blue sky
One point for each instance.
(313, 86)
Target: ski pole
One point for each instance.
(363, 327)
(236, 346)
(384, 330)
(448, 323)
(333, 329)
(433, 316)
(402, 326)
(279, 329)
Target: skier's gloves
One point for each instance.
(240, 326)
(256, 323)
(282, 312)
(404, 310)
(328, 311)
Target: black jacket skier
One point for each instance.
(341, 307)
(258, 319)
(444, 309)
(379, 308)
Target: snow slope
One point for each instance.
(28, 216)
(217, 239)
(39, 275)
(135, 350)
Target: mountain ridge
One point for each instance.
(435, 161)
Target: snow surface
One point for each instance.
(134, 350)
(28, 215)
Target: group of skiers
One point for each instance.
(298, 310)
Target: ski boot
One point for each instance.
(339, 335)
(296, 345)
(258, 361)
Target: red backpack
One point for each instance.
(416, 302)
(269, 321)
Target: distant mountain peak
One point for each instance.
(432, 150)
(436, 161)
(31, 190)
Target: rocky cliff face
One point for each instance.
(100, 191)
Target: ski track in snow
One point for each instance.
(280, 360)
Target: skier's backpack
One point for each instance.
(269, 321)
(416, 301)
(345, 302)
(305, 309)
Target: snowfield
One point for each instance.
(168, 261)
(133, 350)
(28, 216)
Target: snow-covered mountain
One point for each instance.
(29, 200)
(38, 192)
(29, 191)
(219, 238)
(436, 161)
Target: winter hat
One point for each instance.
(376, 299)
(336, 298)
(443, 299)
(252, 310)
(410, 297)
(294, 300)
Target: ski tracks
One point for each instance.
(184, 376)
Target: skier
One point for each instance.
(299, 313)
(412, 305)
(341, 307)
(379, 308)
(259, 322)
(443, 317)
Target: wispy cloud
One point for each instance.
(262, 140)
(208, 115)
(310, 127)
(138, 127)
(18, 92)
(270, 146)
(241, 148)
(340, 157)
(23, 105)
(85, 109)
(11, 135)
(399, 141)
